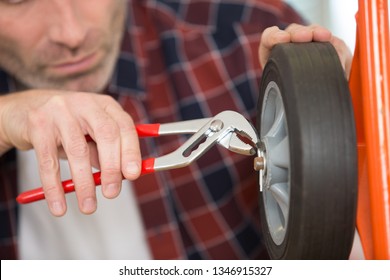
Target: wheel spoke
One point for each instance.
(280, 155)
(278, 121)
(279, 192)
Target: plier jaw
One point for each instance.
(228, 129)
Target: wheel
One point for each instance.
(308, 185)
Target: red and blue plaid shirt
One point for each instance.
(185, 60)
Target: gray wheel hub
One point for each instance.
(275, 150)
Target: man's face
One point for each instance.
(61, 44)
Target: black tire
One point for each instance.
(322, 171)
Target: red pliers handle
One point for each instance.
(206, 132)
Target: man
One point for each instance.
(178, 60)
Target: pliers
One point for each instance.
(228, 129)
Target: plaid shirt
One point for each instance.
(184, 60)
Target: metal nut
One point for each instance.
(258, 163)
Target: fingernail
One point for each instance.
(132, 168)
(111, 190)
(57, 208)
(89, 205)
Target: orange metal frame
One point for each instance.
(369, 84)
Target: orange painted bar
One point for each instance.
(372, 113)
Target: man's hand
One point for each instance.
(296, 33)
(56, 122)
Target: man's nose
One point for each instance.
(68, 28)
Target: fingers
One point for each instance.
(294, 33)
(130, 151)
(299, 33)
(117, 144)
(344, 53)
(105, 132)
(270, 37)
(93, 154)
(58, 127)
(46, 152)
(77, 151)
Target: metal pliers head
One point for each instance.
(243, 138)
(228, 129)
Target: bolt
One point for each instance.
(216, 125)
(259, 163)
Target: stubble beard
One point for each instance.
(93, 80)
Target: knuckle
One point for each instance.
(78, 147)
(80, 97)
(37, 119)
(57, 102)
(107, 99)
(111, 175)
(126, 125)
(41, 117)
(107, 131)
(111, 170)
(84, 188)
(132, 151)
(47, 163)
(51, 191)
(127, 129)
